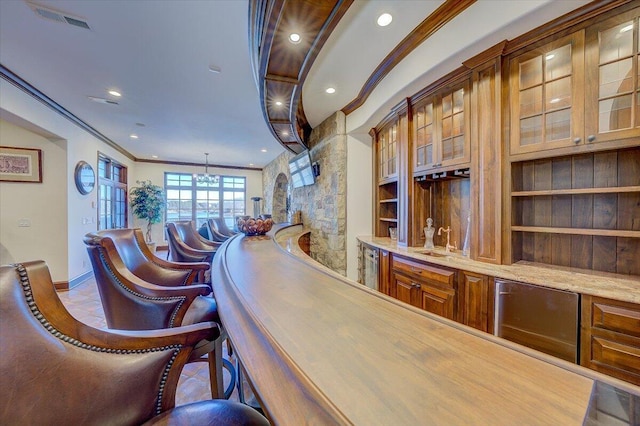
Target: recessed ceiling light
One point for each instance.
(330, 90)
(384, 19)
(263, 150)
(278, 103)
(550, 57)
(251, 164)
(115, 93)
(154, 156)
(101, 100)
(295, 38)
(285, 133)
(133, 136)
(215, 69)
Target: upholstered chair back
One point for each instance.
(131, 303)
(56, 370)
(188, 234)
(139, 259)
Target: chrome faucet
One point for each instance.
(448, 248)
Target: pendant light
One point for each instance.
(206, 178)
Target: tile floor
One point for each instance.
(83, 302)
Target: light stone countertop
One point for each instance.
(613, 286)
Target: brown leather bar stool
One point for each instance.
(62, 371)
(131, 303)
(138, 259)
(187, 245)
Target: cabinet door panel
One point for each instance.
(613, 88)
(384, 272)
(438, 301)
(547, 102)
(610, 337)
(406, 290)
(476, 301)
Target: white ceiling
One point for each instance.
(157, 53)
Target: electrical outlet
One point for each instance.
(24, 223)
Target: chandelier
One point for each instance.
(206, 178)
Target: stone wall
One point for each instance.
(323, 204)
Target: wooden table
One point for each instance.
(321, 349)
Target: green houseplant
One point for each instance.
(147, 202)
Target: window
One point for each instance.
(188, 199)
(112, 194)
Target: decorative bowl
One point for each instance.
(254, 226)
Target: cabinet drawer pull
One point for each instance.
(591, 138)
(577, 140)
(416, 270)
(415, 285)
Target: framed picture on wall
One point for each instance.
(20, 164)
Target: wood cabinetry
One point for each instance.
(386, 192)
(406, 289)
(580, 211)
(546, 90)
(441, 135)
(476, 296)
(387, 152)
(486, 161)
(610, 335)
(426, 286)
(578, 91)
(613, 74)
(387, 208)
(384, 272)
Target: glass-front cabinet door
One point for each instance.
(455, 141)
(547, 102)
(441, 130)
(613, 74)
(388, 152)
(424, 135)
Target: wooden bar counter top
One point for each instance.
(320, 349)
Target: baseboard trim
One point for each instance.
(68, 285)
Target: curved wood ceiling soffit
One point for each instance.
(436, 20)
(281, 67)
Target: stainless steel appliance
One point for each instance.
(541, 318)
(370, 264)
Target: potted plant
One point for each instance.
(147, 202)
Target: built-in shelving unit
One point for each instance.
(387, 207)
(580, 211)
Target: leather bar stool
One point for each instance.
(61, 371)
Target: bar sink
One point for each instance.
(431, 253)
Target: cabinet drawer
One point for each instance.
(422, 271)
(619, 318)
(608, 354)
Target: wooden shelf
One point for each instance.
(389, 200)
(578, 231)
(608, 190)
(388, 219)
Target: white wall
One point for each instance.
(155, 173)
(56, 209)
(26, 112)
(42, 205)
(359, 196)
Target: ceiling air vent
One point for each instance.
(54, 15)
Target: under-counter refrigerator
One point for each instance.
(540, 318)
